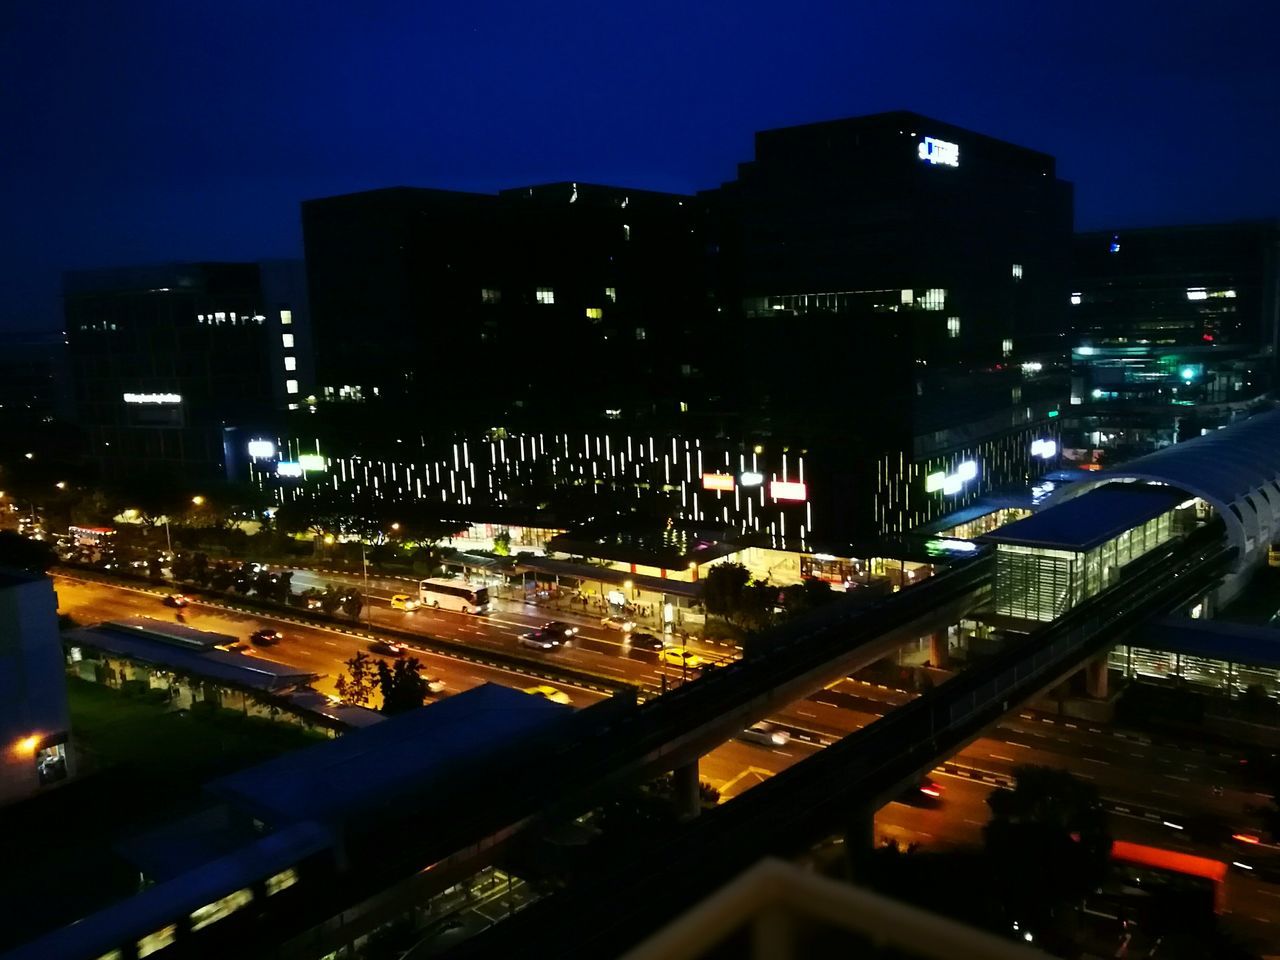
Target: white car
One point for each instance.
(618, 623)
(539, 640)
(765, 734)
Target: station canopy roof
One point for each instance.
(1089, 520)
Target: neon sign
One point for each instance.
(1044, 449)
(787, 490)
(939, 152)
(751, 479)
(262, 449)
(718, 481)
(153, 398)
(288, 468)
(311, 462)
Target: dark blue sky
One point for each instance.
(135, 132)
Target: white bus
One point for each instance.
(454, 595)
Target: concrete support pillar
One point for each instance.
(860, 839)
(1095, 678)
(685, 788)
(939, 649)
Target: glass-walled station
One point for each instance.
(1049, 562)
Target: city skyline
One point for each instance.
(1154, 122)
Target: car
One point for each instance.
(434, 685)
(548, 693)
(765, 734)
(558, 628)
(618, 623)
(539, 640)
(683, 657)
(238, 647)
(266, 637)
(387, 648)
(402, 601)
(314, 603)
(176, 600)
(925, 792)
(645, 641)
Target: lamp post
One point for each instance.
(364, 564)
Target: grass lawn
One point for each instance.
(147, 765)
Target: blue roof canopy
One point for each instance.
(1090, 520)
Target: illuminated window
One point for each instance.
(291, 386)
(1075, 299)
(684, 407)
(291, 363)
(594, 313)
(490, 295)
(640, 333)
(546, 295)
(935, 299)
(116, 954)
(158, 940)
(611, 293)
(953, 327)
(281, 881)
(1006, 348)
(626, 231)
(287, 340)
(220, 316)
(286, 317)
(293, 406)
(1017, 271)
(213, 912)
(908, 297)
(1197, 293)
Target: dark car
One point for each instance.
(646, 641)
(560, 630)
(387, 648)
(175, 600)
(266, 637)
(925, 792)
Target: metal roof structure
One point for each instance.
(400, 761)
(1090, 520)
(182, 650)
(1235, 469)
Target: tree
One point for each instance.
(722, 588)
(22, 553)
(356, 686)
(1048, 842)
(502, 543)
(352, 604)
(402, 687)
(183, 567)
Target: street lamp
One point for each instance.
(395, 526)
(61, 484)
(198, 500)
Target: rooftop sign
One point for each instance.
(939, 152)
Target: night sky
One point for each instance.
(135, 132)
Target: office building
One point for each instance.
(166, 359)
(34, 722)
(566, 299)
(882, 299)
(1174, 330)
(34, 388)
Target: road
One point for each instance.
(608, 653)
(316, 649)
(1151, 788)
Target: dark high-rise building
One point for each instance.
(1173, 328)
(885, 296)
(899, 289)
(567, 298)
(166, 359)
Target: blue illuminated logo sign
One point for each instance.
(939, 152)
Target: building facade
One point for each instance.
(1174, 329)
(166, 359)
(34, 721)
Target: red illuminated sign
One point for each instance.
(788, 490)
(717, 481)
